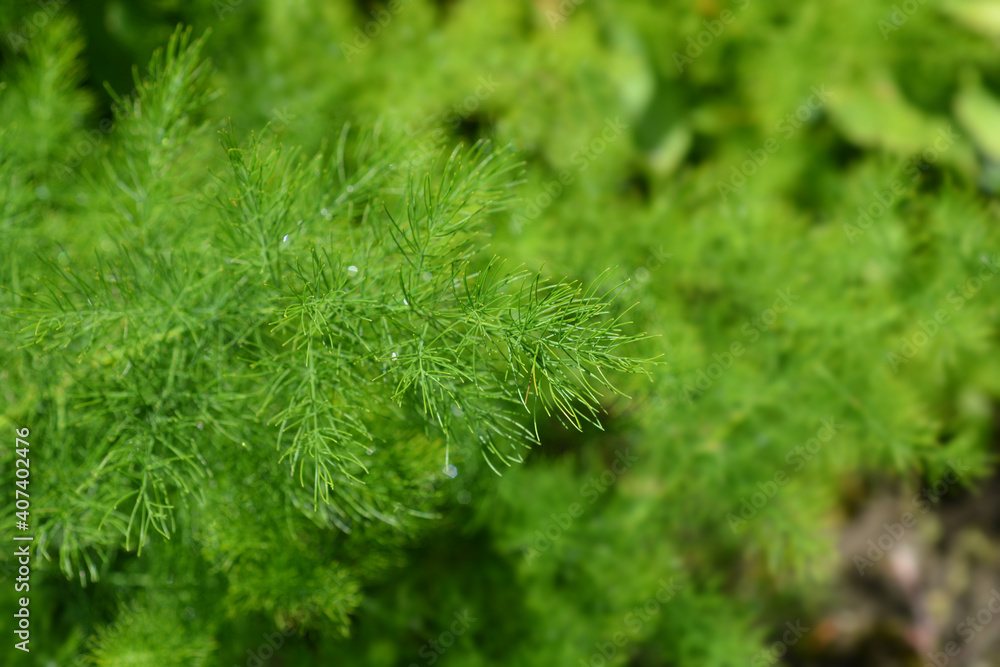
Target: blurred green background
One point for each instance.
(802, 198)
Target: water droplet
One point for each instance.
(393, 355)
(405, 302)
(201, 426)
(350, 188)
(370, 451)
(353, 270)
(464, 497)
(457, 411)
(63, 258)
(285, 240)
(427, 276)
(323, 212)
(450, 471)
(42, 192)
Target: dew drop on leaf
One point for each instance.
(450, 471)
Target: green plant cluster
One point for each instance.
(288, 375)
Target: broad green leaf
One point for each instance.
(876, 115)
(982, 16)
(979, 114)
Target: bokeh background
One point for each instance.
(801, 199)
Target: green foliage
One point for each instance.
(292, 362)
(138, 638)
(325, 310)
